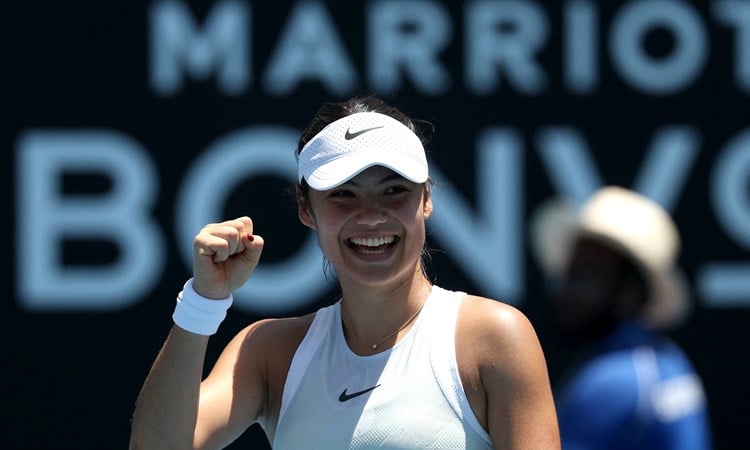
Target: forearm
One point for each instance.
(166, 413)
(167, 407)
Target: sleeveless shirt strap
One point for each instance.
(444, 364)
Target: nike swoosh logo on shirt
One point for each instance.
(346, 397)
(349, 135)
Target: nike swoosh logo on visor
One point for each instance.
(349, 135)
(346, 397)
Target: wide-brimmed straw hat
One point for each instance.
(632, 225)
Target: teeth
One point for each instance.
(372, 242)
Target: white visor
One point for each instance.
(356, 142)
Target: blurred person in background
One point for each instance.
(617, 292)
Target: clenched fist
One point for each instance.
(224, 256)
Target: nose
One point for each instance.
(371, 213)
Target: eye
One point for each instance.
(396, 189)
(340, 193)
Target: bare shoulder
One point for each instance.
(256, 361)
(493, 341)
(486, 322)
(252, 367)
(504, 373)
(265, 341)
(270, 343)
(279, 331)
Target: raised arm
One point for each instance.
(174, 410)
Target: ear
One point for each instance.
(427, 204)
(303, 210)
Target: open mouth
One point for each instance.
(373, 245)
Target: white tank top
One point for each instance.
(409, 396)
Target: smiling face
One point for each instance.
(371, 228)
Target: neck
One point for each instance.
(380, 315)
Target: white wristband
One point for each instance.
(199, 314)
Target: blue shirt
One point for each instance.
(635, 391)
